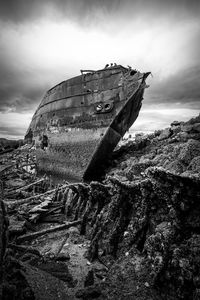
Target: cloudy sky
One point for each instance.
(45, 42)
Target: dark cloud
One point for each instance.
(23, 10)
(18, 90)
(22, 101)
(85, 10)
(182, 87)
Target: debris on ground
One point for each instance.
(134, 235)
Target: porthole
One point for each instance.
(107, 106)
(104, 107)
(99, 107)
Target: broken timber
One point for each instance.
(33, 235)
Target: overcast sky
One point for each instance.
(45, 42)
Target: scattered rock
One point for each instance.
(190, 150)
(166, 133)
(176, 123)
(186, 128)
(196, 127)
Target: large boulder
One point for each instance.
(190, 150)
(165, 134)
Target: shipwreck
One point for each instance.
(80, 121)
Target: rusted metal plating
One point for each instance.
(83, 119)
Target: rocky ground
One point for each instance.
(134, 235)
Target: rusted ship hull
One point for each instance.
(80, 121)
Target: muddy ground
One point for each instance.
(133, 235)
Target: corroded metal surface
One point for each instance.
(80, 121)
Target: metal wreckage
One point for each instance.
(134, 235)
(80, 121)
